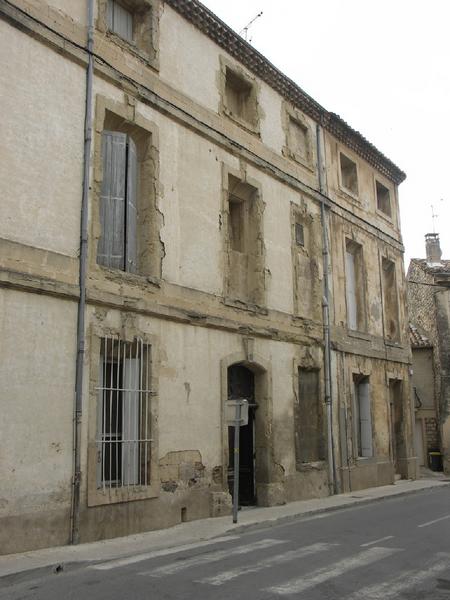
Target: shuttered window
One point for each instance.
(119, 20)
(350, 287)
(363, 418)
(117, 246)
(309, 441)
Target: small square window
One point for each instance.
(133, 25)
(239, 96)
(238, 93)
(383, 199)
(298, 139)
(299, 234)
(119, 20)
(349, 174)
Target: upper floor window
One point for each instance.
(120, 20)
(239, 96)
(126, 219)
(118, 242)
(134, 25)
(299, 234)
(298, 136)
(245, 272)
(383, 199)
(349, 174)
(390, 300)
(354, 285)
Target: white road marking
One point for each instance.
(121, 562)
(179, 565)
(403, 582)
(309, 580)
(383, 539)
(266, 563)
(435, 521)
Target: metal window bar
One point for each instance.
(123, 438)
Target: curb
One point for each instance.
(310, 514)
(267, 523)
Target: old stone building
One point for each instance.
(180, 225)
(429, 309)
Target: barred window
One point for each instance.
(123, 438)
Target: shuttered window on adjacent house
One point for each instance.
(117, 246)
(119, 20)
(363, 417)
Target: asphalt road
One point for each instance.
(393, 549)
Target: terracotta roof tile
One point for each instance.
(418, 339)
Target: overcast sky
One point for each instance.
(383, 66)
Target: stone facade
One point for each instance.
(429, 308)
(205, 280)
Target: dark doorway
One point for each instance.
(241, 384)
(395, 401)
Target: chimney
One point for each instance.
(433, 248)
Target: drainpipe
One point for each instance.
(76, 480)
(326, 323)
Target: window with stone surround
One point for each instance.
(390, 300)
(355, 286)
(133, 24)
(348, 174)
(308, 419)
(383, 198)
(123, 409)
(239, 99)
(362, 417)
(306, 252)
(299, 138)
(244, 245)
(126, 180)
(124, 427)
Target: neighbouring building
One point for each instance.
(182, 225)
(429, 309)
(426, 422)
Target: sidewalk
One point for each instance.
(54, 559)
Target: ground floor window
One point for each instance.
(363, 417)
(124, 436)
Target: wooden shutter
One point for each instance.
(365, 419)
(111, 247)
(350, 286)
(131, 209)
(119, 20)
(130, 422)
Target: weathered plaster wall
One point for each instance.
(41, 200)
(37, 370)
(423, 376)
(195, 331)
(364, 204)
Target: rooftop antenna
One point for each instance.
(245, 29)
(434, 216)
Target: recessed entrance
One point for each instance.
(395, 401)
(241, 384)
